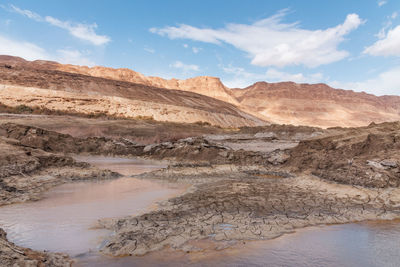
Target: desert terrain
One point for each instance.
(283, 103)
(247, 175)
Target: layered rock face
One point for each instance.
(284, 103)
(317, 105)
(209, 86)
(39, 84)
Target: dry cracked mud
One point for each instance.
(238, 205)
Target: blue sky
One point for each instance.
(346, 44)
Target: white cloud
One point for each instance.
(270, 42)
(73, 57)
(81, 31)
(388, 45)
(386, 83)
(386, 25)
(196, 50)
(242, 78)
(381, 2)
(30, 51)
(185, 67)
(27, 13)
(274, 75)
(150, 50)
(189, 32)
(7, 22)
(22, 49)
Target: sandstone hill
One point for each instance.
(209, 86)
(317, 104)
(120, 89)
(39, 84)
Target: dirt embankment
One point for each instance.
(51, 141)
(31, 163)
(200, 150)
(194, 150)
(367, 156)
(140, 131)
(358, 156)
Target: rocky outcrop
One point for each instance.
(361, 156)
(205, 85)
(50, 141)
(32, 160)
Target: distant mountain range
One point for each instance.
(124, 92)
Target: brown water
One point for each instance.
(364, 244)
(124, 166)
(61, 221)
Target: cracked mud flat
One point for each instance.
(244, 207)
(343, 176)
(359, 244)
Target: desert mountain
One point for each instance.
(209, 86)
(285, 102)
(317, 104)
(42, 84)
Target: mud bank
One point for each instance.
(26, 173)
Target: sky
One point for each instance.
(352, 44)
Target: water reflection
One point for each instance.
(364, 244)
(61, 220)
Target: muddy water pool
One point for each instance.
(64, 219)
(362, 244)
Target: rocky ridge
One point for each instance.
(284, 102)
(317, 105)
(36, 84)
